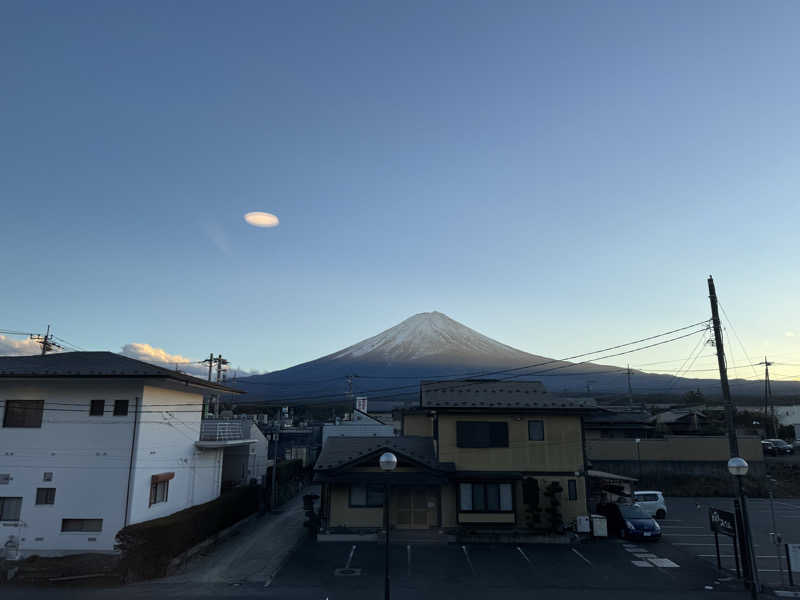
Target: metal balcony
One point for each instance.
(219, 433)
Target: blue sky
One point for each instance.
(561, 176)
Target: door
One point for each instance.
(415, 508)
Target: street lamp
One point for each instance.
(388, 463)
(738, 467)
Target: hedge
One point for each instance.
(147, 548)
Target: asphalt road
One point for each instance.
(686, 527)
(599, 569)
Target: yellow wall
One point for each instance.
(342, 515)
(561, 449)
(684, 448)
(418, 424)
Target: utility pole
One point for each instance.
(630, 391)
(350, 391)
(46, 341)
(768, 399)
(733, 442)
(210, 361)
(220, 363)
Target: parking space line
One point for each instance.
(350, 558)
(525, 556)
(586, 560)
(641, 563)
(408, 553)
(664, 562)
(469, 562)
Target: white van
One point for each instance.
(652, 502)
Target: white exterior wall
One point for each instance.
(88, 456)
(168, 428)
(259, 455)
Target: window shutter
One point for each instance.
(465, 495)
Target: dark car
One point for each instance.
(628, 521)
(768, 448)
(778, 447)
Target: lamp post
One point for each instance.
(639, 458)
(388, 462)
(738, 467)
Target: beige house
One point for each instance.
(473, 454)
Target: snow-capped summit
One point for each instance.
(426, 335)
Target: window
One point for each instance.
(482, 434)
(572, 489)
(10, 508)
(23, 413)
(71, 525)
(647, 497)
(47, 476)
(45, 495)
(485, 497)
(362, 496)
(536, 431)
(159, 487)
(120, 408)
(5, 478)
(97, 408)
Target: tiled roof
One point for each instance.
(93, 364)
(496, 394)
(339, 451)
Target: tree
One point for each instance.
(530, 496)
(552, 492)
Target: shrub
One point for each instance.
(552, 492)
(147, 548)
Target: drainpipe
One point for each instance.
(130, 464)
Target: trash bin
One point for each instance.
(599, 526)
(583, 524)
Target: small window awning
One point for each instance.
(161, 477)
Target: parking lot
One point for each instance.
(355, 570)
(687, 528)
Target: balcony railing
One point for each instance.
(223, 430)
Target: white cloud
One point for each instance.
(789, 333)
(162, 358)
(20, 347)
(261, 219)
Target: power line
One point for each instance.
(741, 345)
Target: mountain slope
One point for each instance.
(428, 346)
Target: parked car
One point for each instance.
(767, 448)
(652, 502)
(777, 447)
(629, 521)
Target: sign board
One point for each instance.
(793, 554)
(722, 521)
(361, 403)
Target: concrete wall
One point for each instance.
(673, 448)
(561, 449)
(87, 455)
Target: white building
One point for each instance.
(361, 425)
(93, 441)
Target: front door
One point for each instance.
(415, 508)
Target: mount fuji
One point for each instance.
(389, 366)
